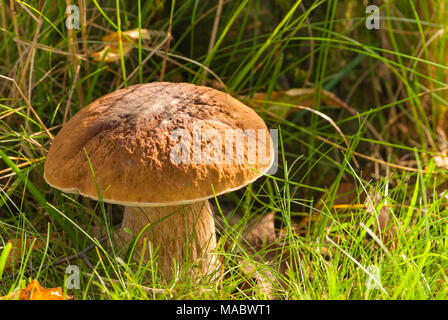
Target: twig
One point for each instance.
(50, 49)
(167, 47)
(213, 35)
(29, 106)
(69, 99)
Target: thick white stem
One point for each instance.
(184, 232)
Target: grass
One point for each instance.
(362, 215)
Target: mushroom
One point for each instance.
(161, 150)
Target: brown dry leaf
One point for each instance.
(269, 249)
(260, 232)
(111, 49)
(384, 224)
(297, 96)
(19, 248)
(35, 292)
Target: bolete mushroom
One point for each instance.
(161, 150)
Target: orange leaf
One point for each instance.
(35, 292)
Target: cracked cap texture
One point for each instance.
(159, 144)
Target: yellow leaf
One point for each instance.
(111, 50)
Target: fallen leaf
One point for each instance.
(296, 96)
(132, 34)
(269, 250)
(260, 232)
(35, 292)
(111, 50)
(19, 248)
(384, 224)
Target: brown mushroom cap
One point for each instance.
(126, 137)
